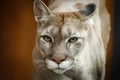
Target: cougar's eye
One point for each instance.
(73, 40)
(47, 38)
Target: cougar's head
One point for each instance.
(61, 36)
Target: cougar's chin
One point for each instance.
(59, 68)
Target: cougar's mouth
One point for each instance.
(59, 68)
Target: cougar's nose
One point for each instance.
(58, 59)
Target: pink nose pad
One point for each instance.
(58, 60)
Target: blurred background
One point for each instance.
(17, 34)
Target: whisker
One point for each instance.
(39, 69)
(76, 67)
(38, 60)
(43, 69)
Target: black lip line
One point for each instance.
(60, 68)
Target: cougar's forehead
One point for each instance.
(65, 22)
(71, 27)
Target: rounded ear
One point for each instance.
(40, 10)
(88, 10)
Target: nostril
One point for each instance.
(58, 60)
(62, 60)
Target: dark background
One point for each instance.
(115, 71)
(17, 34)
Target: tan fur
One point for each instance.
(61, 18)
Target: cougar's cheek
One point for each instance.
(51, 64)
(66, 64)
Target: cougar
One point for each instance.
(71, 40)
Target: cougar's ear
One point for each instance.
(40, 10)
(88, 10)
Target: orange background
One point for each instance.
(17, 34)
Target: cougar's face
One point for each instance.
(61, 36)
(60, 40)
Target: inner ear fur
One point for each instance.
(40, 10)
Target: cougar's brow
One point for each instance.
(62, 17)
